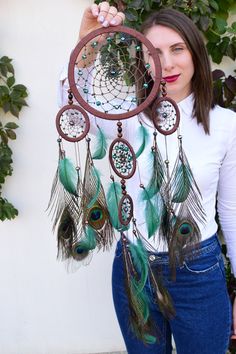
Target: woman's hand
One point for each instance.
(97, 16)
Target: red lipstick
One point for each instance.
(171, 78)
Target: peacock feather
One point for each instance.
(158, 174)
(66, 233)
(137, 296)
(94, 205)
(183, 188)
(162, 296)
(140, 262)
(185, 237)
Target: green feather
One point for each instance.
(158, 174)
(96, 178)
(89, 241)
(68, 176)
(140, 262)
(140, 301)
(100, 146)
(181, 183)
(144, 137)
(152, 216)
(140, 313)
(149, 339)
(114, 195)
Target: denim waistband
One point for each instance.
(200, 249)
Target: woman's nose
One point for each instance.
(166, 62)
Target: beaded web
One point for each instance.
(72, 123)
(103, 70)
(165, 115)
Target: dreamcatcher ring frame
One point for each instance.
(156, 81)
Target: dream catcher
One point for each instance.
(109, 82)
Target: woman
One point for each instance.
(202, 323)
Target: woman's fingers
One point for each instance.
(103, 11)
(108, 15)
(94, 10)
(118, 19)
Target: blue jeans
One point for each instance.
(202, 323)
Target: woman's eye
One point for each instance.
(178, 49)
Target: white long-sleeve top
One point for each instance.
(212, 159)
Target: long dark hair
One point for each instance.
(202, 85)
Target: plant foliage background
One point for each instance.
(12, 99)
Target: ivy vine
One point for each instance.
(212, 19)
(12, 99)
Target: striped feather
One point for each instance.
(140, 262)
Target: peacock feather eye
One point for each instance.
(78, 252)
(96, 217)
(185, 229)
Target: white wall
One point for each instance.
(43, 309)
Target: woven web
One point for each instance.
(166, 116)
(108, 68)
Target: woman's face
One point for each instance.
(176, 60)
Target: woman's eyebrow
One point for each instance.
(179, 43)
(173, 45)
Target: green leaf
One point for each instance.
(223, 46)
(5, 160)
(136, 4)
(10, 81)
(205, 22)
(214, 52)
(195, 17)
(233, 25)
(131, 15)
(221, 24)
(11, 134)
(214, 4)
(20, 102)
(231, 51)
(5, 60)
(3, 70)
(212, 36)
(7, 210)
(4, 138)
(20, 87)
(202, 8)
(11, 125)
(4, 90)
(6, 106)
(147, 5)
(14, 110)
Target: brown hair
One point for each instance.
(202, 86)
